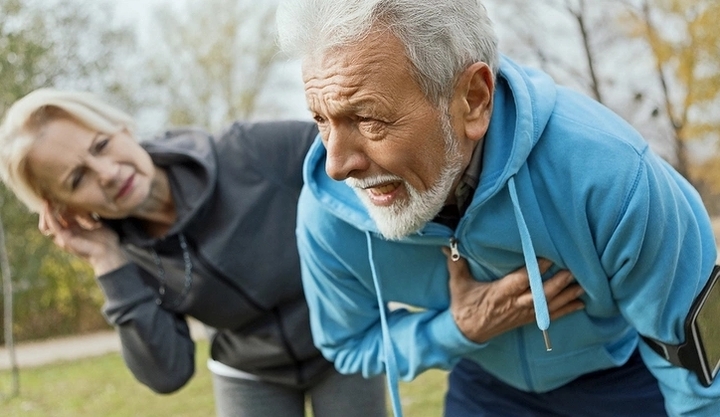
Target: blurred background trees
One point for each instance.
(68, 44)
(684, 46)
(211, 67)
(654, 62)
(205, 63)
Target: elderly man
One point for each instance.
(430, 139)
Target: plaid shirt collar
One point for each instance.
(451, 213)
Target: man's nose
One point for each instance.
(345, 153)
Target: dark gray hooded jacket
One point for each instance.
(236, 197)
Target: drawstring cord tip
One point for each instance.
(546, 336)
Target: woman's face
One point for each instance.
(86, 170)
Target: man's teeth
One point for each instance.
(384, 189)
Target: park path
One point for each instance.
(32, 354)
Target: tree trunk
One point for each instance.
(8, 311)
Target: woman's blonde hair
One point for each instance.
(24, 123)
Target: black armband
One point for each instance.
(700, 352)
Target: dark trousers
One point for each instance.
(629, 390)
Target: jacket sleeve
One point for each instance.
(659, 255)
(344, 313)
(156, 343)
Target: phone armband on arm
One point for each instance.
(700, 352)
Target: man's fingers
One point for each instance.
(544, 265)
(560, 290)
(525, 300)
(566, 296)
(557, 283)
(518, 281)
(568, 308)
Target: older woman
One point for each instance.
(186, 224)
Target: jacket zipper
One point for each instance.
(454, 252)
(524, 366)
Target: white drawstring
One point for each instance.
(542, 316)
(390, 361)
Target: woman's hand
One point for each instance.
(483, 310)
(82, 237)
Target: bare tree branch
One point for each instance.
(677, 121)
(580, 18)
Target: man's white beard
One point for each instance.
(408, 216)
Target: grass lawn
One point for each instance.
(103, 387)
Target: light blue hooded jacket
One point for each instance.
(562, 178)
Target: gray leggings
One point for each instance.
(336, 396)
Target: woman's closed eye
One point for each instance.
(101, 144)
(76, 178)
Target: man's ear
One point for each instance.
(475, 90)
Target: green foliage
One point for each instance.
(63, 43)
(66, 44)
(683, 38)
(24, 50)
(54, 293)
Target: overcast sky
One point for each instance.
(137, 12)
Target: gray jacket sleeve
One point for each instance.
(156, 343)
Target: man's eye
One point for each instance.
(319, 119)
(369, 120)
(370, 125)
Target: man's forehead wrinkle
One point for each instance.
(338, 96)
(348, 81)
(341, 79)
(335, 92)
(371, 100)
(349, 101)
(353, 94)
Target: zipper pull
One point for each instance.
(454, 253)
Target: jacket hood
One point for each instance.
(523, 102)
